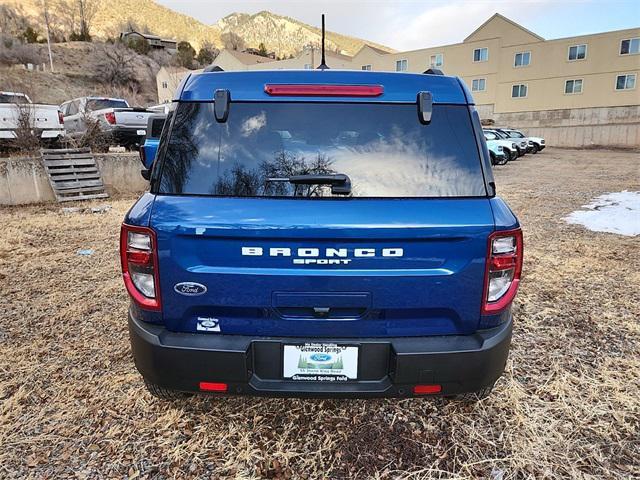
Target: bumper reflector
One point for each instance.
(213, 387)
(426, 389)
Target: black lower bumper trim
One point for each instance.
(387, 367)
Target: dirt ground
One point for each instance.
(568, 405)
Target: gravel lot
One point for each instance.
(73, 405)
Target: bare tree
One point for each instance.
(232, 41)
(87, 10)
(116, 68)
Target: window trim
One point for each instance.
(630, 53)
(400, 62)
(586, 52)
(526, 85)
(635, 83)
(574, 83)
(478, 80)
(473, 55)
(433, 65)
(521, 53)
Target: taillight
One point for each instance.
(60, 117)
(139, 257)
(143, 156)
(110, 117)
(503, 270)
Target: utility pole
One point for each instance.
(46, 21)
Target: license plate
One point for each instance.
(141, 132)
(321, 362)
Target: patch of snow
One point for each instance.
(617, 212)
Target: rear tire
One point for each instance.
(164, 393)
(473, 397)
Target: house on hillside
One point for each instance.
(154, 41)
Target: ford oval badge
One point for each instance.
(320, 357)
(190, 289)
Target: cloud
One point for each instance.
(253, 124)
(452, 22)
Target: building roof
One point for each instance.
(148, 36)
(376, 49)
(502, 17)
(249, 58)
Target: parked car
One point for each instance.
(44, 120)
(126, 125)
(508, 147)
(536, 144)
(160, 108)
(321, 233)
(149, 148)
(496, 153)
(521, 144)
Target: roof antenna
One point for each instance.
(323, 64)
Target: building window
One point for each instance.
(626, 82)
(436, 60)
(578, 52)
(478, 85)
(522, 59)
(308, 66)
(573, 86)
(518, 91)
(401, 65)
(366, 67)
(481, 54)
(630, 46)
(165, 85)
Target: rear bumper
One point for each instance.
(126, 135)
(387, 367)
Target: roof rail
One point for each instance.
(213, 68)
(433, 71)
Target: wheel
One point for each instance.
(514, 155)
(164, 393)
(535, 149)
(492, 155)
(473, 397)
(505, 159)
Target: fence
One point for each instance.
(24, 180)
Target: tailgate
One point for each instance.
(322, 268)
(132, 118)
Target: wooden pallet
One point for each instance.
(73, 174)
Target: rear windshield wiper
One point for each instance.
(340, 183)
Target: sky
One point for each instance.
(413, 24)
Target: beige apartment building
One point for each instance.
(576, 91)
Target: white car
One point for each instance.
(536, 144)
(509, 148)
(126, 125)
(45, 120)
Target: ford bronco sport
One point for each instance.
(319, 234)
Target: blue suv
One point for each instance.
(321, 234)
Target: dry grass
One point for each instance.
(72, 404)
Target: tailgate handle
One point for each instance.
(321, 312)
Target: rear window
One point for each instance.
(100, 104)
(7, 98)
(382, 148)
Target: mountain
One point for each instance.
(286, 35)
(281, 34)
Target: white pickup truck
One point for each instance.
(125, 125)
(45, 121)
